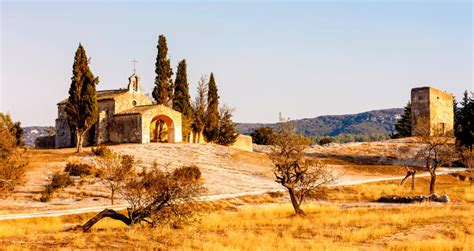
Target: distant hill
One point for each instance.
(34, 132)
(371, 122)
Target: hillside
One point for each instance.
(371, 122)
(34, 132)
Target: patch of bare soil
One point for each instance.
(225, 170)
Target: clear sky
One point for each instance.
(302, 59)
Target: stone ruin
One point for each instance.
(432, 112)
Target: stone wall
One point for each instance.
(442, 112)
(243, 142)
(63, 132)
(431, 112)
(129, 100)
(105, 121)
(126, 129)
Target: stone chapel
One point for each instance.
(125, 116)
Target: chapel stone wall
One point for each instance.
(126, 129)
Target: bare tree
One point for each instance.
(157, 197)
(435, 152)
(114, 170)
(199, 107)
(293, 171)
(410, 172)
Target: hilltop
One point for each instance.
(371, 122)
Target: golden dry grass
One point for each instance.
(458, 190)
(258, 225)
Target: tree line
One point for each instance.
(204, 116)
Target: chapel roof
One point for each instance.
(143, 108)
(103, 95)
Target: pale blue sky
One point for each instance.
(301, 59)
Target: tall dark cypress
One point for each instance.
(465, 122)
(163, 90)
(211, 128)
(182, 99)
(403, 126)
(81, 107)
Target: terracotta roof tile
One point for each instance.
(103, 94)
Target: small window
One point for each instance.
(134, 103)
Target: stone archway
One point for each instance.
(167, 123)
(150, 114)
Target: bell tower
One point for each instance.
(134, 84)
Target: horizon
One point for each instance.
(304, 60)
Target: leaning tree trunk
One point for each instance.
(294, 202)
(104, 214)
(432, 182)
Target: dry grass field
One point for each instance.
(345, 219)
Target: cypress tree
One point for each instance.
(81, 107)
(163, 90)
(212, 122)
(465, 122)
(227, 133)
(403, 126)
(182, 99)
(199, 109)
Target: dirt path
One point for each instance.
(344, 181)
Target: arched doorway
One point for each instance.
(162, 129)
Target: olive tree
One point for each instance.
(299, 175)
(436, 151)
(114, 171)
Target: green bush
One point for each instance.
(325, 140)
(79, 169)
(101, 151)
(263, 136)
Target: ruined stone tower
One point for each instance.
(431, 112)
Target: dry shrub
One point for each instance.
(79, 169)
(58, 181)
(188, 172)
(157, 197)
(12, 162)
(101, 151)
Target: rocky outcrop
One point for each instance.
(414, 199)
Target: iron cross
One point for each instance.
(134, 65)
